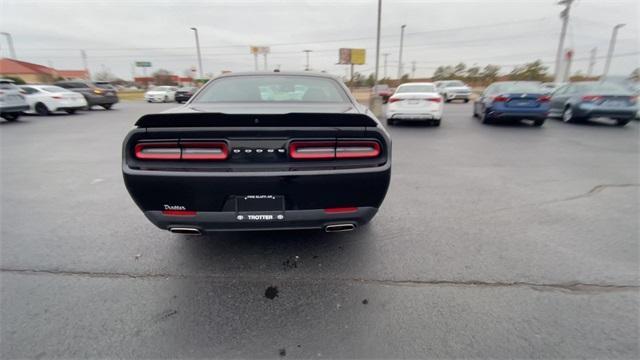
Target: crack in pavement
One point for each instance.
(572, 287)
(595, 190)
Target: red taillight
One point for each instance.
(56, 97)
(342, 149)
(312, 149)
(500, 98)
(340, 210)
(179, 213)
(544, 98)
(437, 99)
(204, 151)
(633, 99)
(158, 151)
(392, 99)
(591, 98)
(357, 149)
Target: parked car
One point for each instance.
(183, 94)
(12, 102)
(383, 91)
(45, 99)
(161, 94)
(93, 94)
(453, 90)
(582, 101)
(415, 102)
(512, 100)
(232, 159)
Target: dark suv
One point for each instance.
(94, 95)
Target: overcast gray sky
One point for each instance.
(115, 33)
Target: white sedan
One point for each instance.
(415, 102)
(161, 94)
(45, 99)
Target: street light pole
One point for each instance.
(386, 55)
(375, 78)
(564, 15)
(195, 30)
(10, 42)
(400, 55)
(307, 66)
(612, 45)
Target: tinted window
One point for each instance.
(273, 88)
(416, 89)
(522, 87)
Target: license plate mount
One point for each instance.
(260, 208)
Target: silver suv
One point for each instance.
(12, 103)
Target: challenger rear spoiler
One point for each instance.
(246, 120)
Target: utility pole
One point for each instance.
(592, 61)
(84, 63)
(568, 57)
(413, 69)
(386, 55)
(375, 77)
(400, 55)
(195, 30)
(12, 51)
(265, 61)
(564, 15)
(612, 45)
(306, 68)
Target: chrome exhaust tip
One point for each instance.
(185, 231)
(340, 227)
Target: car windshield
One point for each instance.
(53, 89)
(601, 87)
(416, 89)
(454, 83)
(272, 88)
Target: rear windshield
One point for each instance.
(604, 87)
(272, 88)
(454, 84)
(7, 86)
(53, 89)
(416, 89)
(520, 87)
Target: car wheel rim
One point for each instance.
(567, 115)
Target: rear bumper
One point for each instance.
(102, 100)
(589, 112)
(291, 220)
(518, 114)
(454, 96)
(14, 108)
(182, 97)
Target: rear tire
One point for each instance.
(622, 122)
(71, 111)
(485, 118)
(435, 122)
(42, 109)
(568, 116)
(107, 106)
(538, 123)
(390, 121)
(466, 101)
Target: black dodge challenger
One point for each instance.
(260, 151)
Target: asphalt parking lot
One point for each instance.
(503, 241)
